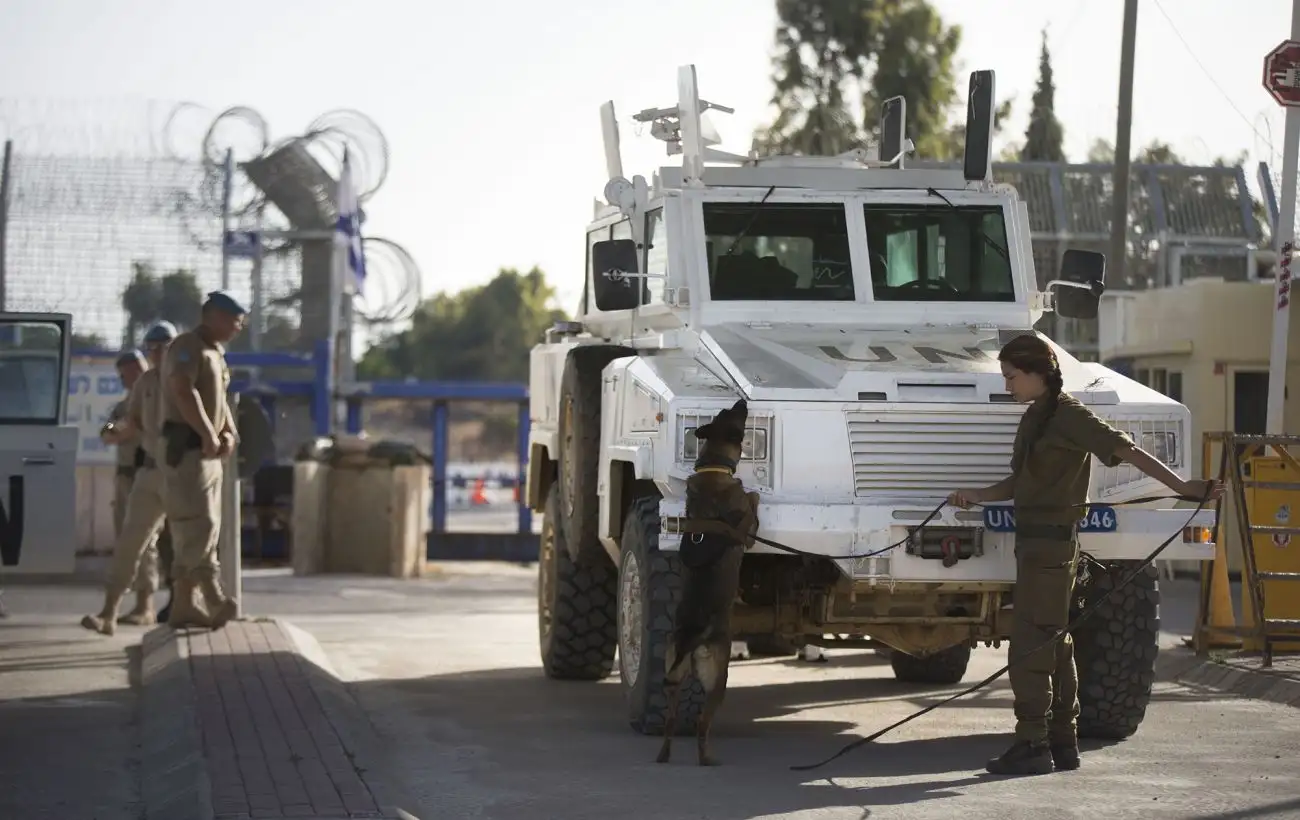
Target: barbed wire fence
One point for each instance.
(96, 188)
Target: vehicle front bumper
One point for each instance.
(840, 531)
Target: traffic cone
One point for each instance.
(478, 497)
(1221, 622)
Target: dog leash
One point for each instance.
(1060, 633)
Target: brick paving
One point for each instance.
(271, 750)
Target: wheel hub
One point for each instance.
(569, 478)
(629, 618)
(546, 580)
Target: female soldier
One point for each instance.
(1051, 471)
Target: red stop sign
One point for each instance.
(1282, 73)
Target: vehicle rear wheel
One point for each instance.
(947, 666)
(576, 607)
(649, 589)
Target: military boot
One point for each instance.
(105, 623)
(220, 608)
(142, 615)
(1024, 757)
(165, 612)
(184, 613)
(1065, 755)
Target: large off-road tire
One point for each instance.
(579, 456)
(649, 589)
(1115, 649)
(577, 609)
(947, 666)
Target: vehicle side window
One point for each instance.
(656, 256)
(30, 358)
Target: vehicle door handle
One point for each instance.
(38, 461)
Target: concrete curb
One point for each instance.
(173, 772)
(1181, 665)
(354, 727)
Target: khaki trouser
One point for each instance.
(135, 553)
(1045, 684)
(145, 561)
(192, 499)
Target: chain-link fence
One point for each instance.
(1184, 222)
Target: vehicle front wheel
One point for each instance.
(649, 589)
(1115, 649)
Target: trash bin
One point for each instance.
(360, 507)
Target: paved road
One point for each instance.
(448, 671)
(67, 712)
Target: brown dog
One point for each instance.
(711, 573)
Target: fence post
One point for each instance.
(322, 404)
(525, 513)
(440, 466)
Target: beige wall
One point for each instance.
(1196, 329)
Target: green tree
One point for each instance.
(836, 61)
(481, 333)
(175, 296)
(1044, 138)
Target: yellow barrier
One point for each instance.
(1271, 502)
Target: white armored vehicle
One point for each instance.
(858, 305)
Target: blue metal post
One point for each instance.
(440, 466)
(525, 514)
(354, 416)
(322, 410)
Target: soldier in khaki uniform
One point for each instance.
(117, 431)
(1051, 472)
(198, 432)
(143, 518)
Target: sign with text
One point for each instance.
(93, 390)
(1282, 73)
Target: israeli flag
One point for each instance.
(347, 231)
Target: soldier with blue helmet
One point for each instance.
(198, 433)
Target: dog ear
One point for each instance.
(741, 407)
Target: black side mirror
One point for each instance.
(611, 261)
(1081, 284)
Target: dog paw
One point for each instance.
(709, 760)
(663, 757)
(739, 651)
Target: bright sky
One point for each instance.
(490, 107)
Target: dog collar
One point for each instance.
(726, 470)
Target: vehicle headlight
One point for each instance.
(1162, 444)
(754, 448)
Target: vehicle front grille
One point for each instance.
(930, 452)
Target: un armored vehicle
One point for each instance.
(858, 305)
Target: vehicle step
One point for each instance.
(1272, 485)
(1278, 576)
(1285, 623)
(1270, 529)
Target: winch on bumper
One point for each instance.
(956, 545)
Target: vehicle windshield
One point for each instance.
(778, 252)
(938, 253)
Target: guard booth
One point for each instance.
(1260, 514)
